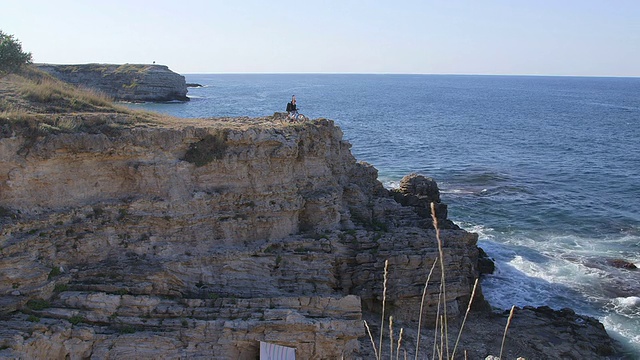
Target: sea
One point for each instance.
(545, 169)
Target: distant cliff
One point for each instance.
(128, 82)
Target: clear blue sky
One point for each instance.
(542, 37)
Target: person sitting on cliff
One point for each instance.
(292, 109)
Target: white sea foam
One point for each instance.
(628, 306)
(457, 191)
(564, 271)
(623, 330)
(390, 184)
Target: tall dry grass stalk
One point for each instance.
(442, 277)
(473, 293)
(373, 344)
(384, 300)
(504, 336)
(399, 344)
(424, 295)
(441, 348)
(435, 332)
(391, 337)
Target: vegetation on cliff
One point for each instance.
(12, 57)
(34, 103)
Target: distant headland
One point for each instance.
(128, 82)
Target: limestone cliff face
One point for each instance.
(129, 82)
(198, 241)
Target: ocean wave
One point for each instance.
(390, 184)
(458, 191)
(484, 232)
(614, 106)
(628, 306)
(624, 330)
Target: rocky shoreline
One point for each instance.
(128, 82)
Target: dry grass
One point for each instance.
(33, 104)
(15, 114)
(466, 314)
(132, 68)
(424, 295)
(36, 92)
(384, 300)
(440, 348)
(51, 91)
(504, 336)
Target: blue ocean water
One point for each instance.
(545, 169)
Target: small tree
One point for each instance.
(11, 55)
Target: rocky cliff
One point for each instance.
(128, 82)
(202, 240)
(127, 235)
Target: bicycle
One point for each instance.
(294, 116)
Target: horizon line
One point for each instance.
(397, 73)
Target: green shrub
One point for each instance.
(127, 329)
(38, 304)
(211, 147)
(122, 292)
(77, 319)
(33, 319)
(12, 58)
(55, 271)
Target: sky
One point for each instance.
(525, 37)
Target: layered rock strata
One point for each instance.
(200, 239)
(128, 82)
(279, 235)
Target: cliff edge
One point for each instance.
(128, 82)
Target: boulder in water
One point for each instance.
(621, 264)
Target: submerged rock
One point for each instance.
(622, 264)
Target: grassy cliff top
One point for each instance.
(35, 103)
(105, 68)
